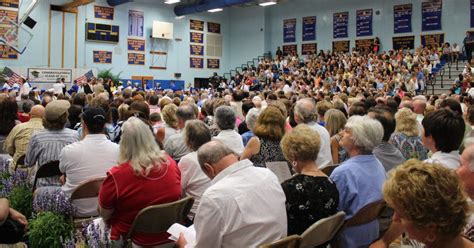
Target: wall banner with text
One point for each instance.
(431, 40)
(196, 50)
(103, 12)
(289, 30)
(364, 45)
(290, 50)
(309, 28)
(10, 3)
(402, 18)
(213, 27)
(196, 25)
(136, 58)
(340, 23)
(309, 48)
(342, 46)
(136, 45)
(196, 37)
(403, 42)
(196, 63)
(213, 63)
(102, 57)
(431, 15)
(364, 22)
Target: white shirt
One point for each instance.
(449, 160)
(58, 88)
(193, 180)
(231, 139)
(324, 156)
(89, 158)
(244, 207)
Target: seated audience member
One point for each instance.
(89, 158)
(9, 118)
(250, 121)
(12, 224)
(443, 132)
(246, 107)
(243, 207)
(406, 136)
(170, 125)
(153, 104)
(335, 121)
(18, 139)
(145, 176)
(310, 188)
(359, 179)
(224, 118)
(305, 113)
(265, 145)
(45, 145)
(418, 192)
(193, 180)
(24, 116)
(175, 145)
(388, 154)
(321, 108)
(466, 174)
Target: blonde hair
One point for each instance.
(123, 111)
(169, 115)
(323, 106)
(428, 194)
(138, 146)
(301, 144)
(335, 121)
(406, 122)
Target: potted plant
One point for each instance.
(48, 229)
(105, 74)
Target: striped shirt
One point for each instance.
(18, 139)
(45, 146)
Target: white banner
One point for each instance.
(46, 75)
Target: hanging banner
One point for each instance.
(309, 48)
(340, 23)
(341, 46)
(431, 15)
(403, 42)
(136, 59)
(364, 45)
(102, 57)
(213, 63)
(472, 13)
(402, 18)
(7, 53)
(47, 75)
(196, 63)
(196, 37)
(290, 50)
(364, 22)
(431, 40)
(10, 3)
(213, 27)
(196, 50)
(135, 23)
(136, 45)
(289, 30)
(309, 28)
(102, 12)
(196, 25)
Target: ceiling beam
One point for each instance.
(71, 7)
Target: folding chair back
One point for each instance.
(292, 241)
(323, 230)
(49, 169)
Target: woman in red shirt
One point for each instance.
(145, 176)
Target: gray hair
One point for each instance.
(367, 133)
(138, 145)
(251, 117)
(225, 118)
(468, 144)
(186, 112)
(196, 133)
(305, 109)
(212, 152)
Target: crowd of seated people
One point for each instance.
(366, 114)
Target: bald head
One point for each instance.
(305, 111)
(37, 111)
(419, 106)
(214, 157)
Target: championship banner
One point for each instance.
(403, 42)
(196, 25)
(213, 27)
(102, 57)
(309, 48)
(10, 3)
(432, 39)
(102, 12)
(341, 46)
(135, 23)
(340, 23)
(213, 63)
(364, 45)
(196, 63)
(431, 15)
(290, 49)
(196, 37)
(472, 13)
(289, 30)
(364, 22)
(309, 28)
(136, 59)
(46, 75)
(7, 53)
(402, 18)
(196, 50)
(136, 45)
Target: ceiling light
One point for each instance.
(180, 17)
(215, 10)
(172, 1)
(268, 3)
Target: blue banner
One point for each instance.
(340, 23)
(364, 22)
(472, 13)
(196, 37)
(431, 16)
(289, 30)
(196, 63)
(136, 45)
(402, 18)
(196, 50)
(102, 57)
(309, 28)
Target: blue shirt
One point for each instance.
(359, 181)
(246, 137)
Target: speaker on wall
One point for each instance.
(29, 22)
(177, 75)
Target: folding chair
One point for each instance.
(88, 189)
(329, 169)
(292, 241)
(49, 169)
(323, 231)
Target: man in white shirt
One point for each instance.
(244, 206)
(305, 112)
(58, 87)
(174, 145)
(224, 117)
(89, 158)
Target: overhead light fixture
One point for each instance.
(215, 10)
(172, 1)
(268, 3)
(180, 17)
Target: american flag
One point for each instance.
(12, 77)
(88, 75)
